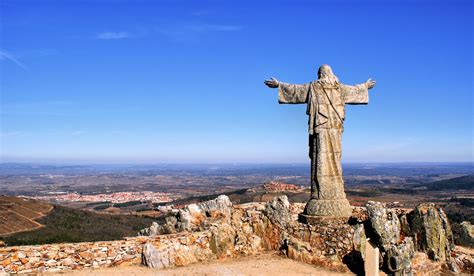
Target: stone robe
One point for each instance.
(326, 111)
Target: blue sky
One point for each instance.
(182, 81)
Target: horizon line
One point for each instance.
(221, 163)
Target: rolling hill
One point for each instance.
(458, 183)
(18, 214)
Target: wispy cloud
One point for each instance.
(113, 35)
(179, 31)
(4, 55)
(216, 28)
(191, 32)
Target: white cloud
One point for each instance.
(4, 55)
(113, 35)
(194, 31)
(217, 28)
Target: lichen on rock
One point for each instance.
(278, 210)
(466, 234)
(385, 225)
(431, 231)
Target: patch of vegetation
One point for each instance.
(459, 210)
(365, 193)
(101, 207)
(127, 204)
(71, 225)
(468, 202)
(90, 204)
(143, 209)
(457, 183)
(399, 191)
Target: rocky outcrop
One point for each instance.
(431, 231)
(177, 250)
(225, 231)
(222, 240)
(384, 225)
(194, 217)
(462, 260)
(398, 257)
(385, 229)
(466, 234)
(278, 210)
(426, 229)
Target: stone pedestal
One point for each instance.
(325, 208)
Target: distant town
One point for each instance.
(119, 197)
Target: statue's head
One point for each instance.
(326, 75)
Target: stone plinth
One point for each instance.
(329, 208)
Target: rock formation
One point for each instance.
(334, 243)
(384, 228)
(431, 231)
(466, 235)
(216, 229)
(194, 217)
(385, 225)
(278, 210)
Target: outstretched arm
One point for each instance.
(357, 94)
(289, 93)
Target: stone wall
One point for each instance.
(57, 257)
(246, 231)
(216, 230)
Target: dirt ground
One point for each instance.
(266, 264)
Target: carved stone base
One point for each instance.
(318, 220)
(335, 208)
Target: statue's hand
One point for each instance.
(370, 83)
(272, 83)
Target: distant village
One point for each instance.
(118, 197)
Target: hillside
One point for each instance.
(19, 214)
(28, 221)
(458, 183)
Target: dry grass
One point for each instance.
(19, 214)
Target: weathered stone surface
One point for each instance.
(278, 210)
(466, 234)
(222, 240)
(192, 218)
(154, 258)
(398, 257)
(462, 260)
(334, 208)
(431, 231)
(249, 229)
(385, 225)
(404, 224)
(53, 257)
(358, 239)
(221, 204)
